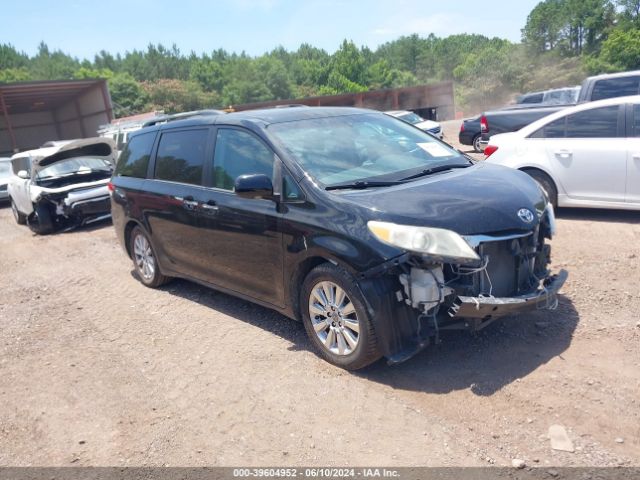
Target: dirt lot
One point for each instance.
(96, 369)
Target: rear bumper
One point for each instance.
(487, 308)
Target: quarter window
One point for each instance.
(635, 128)
(134, 159)
(181, 156)
(615, 87)
(555, 129)
(239, 153)
(595, 123)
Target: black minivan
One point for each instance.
(373, 233)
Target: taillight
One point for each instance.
(484, 125)
(490, 150)
(110, 187)
(462, 127)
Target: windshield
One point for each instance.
(77, 165)
(351, 148)
(411, 118)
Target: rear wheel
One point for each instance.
(547, 184)
(476, 143)
(20, 218)
(336, 319)
(144, 259)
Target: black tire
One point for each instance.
(40, 221)
(476, 143)
(366, 350)
(547, 184)
(20, 218)
(151, 279)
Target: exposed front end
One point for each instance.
(499, 274)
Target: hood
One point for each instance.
(481, 199)
(87, 147)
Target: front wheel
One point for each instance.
(41, 221)
(336, 319)
(144, 259)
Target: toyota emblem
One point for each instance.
(526, 215)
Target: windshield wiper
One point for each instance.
(429, 171)
(362, 184)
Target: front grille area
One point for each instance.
(3, 188)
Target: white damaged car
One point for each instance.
(63, 184)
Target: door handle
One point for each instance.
(210, 207)
(636, 156)
(563, 153)
(189, 202)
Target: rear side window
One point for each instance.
(181, 155)
(239, 153)
(134, 159)
(536, 98)
(595, 123)
(555, 129)
(615, 87)
(635, 126)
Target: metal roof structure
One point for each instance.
(27, 97)
(69, 107)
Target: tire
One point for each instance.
(476, 143)
(40, 221)
(547, 184)
(348, 339)
(20, 218)
(144, 259)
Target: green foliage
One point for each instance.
(9, 75)
(573, 26)
(172, 96)
(87, 72)
(127, 95)
(621, 51)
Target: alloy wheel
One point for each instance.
(143, 257)
(334, 318)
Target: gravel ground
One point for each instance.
(96, 369)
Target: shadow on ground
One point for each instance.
(599, 215)
(485, 362)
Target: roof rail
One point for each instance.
(180, 116)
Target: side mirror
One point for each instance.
(23, 174)
(255, 185)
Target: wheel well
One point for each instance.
(533, 169)
(297, 280)
(127, 232)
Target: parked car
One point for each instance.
(470, 133)
(595, 88)
(63, 184)
(584, 156)
(5, 175)
(374, 233)
(556, 96)
(429, 126)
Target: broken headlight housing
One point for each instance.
(442, 244)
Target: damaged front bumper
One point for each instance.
(478, 311)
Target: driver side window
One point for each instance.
(239, 153)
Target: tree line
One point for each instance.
(562, 41)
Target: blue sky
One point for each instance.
(82, 28)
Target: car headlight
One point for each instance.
(437, 242)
